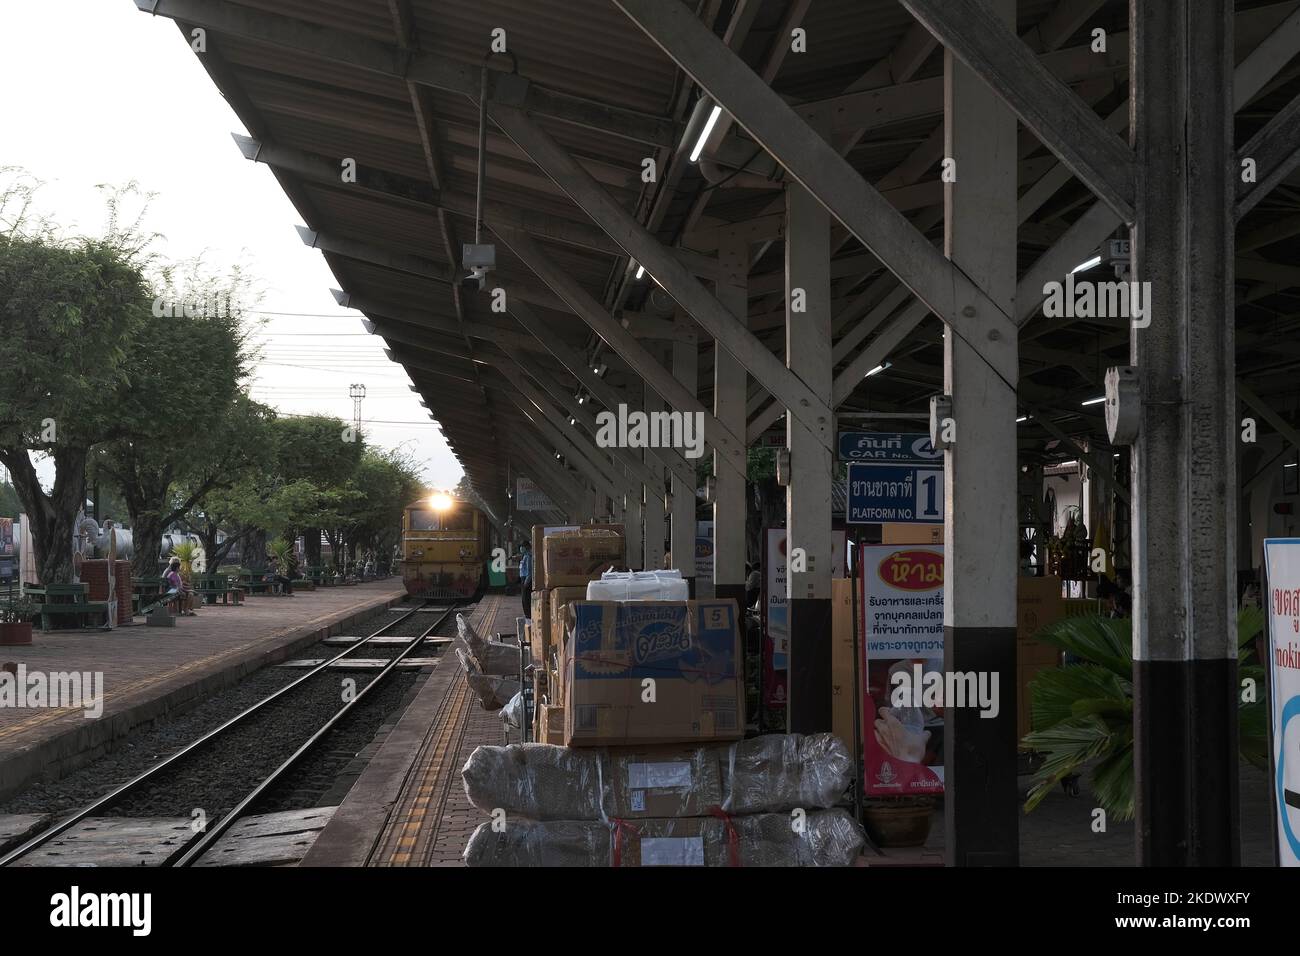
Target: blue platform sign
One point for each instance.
(902, 494)
(911, 448)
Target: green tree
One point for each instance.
(10, 506)
(316, 448)
(183, 412)
(68, 308)
(385, 482)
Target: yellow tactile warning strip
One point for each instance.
(432, 818)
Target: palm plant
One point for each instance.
(187, 551)
(280, 549)
(1082, 713)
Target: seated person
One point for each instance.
(178, 595)
(283, 575)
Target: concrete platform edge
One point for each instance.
(356, 826)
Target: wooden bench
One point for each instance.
(213, 586)
(320, 577)
(145, 593)
(66, 600)
(254, 581)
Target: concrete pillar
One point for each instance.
(808, 497)
(981, 805)
(1184, 462)
(729, 381)
(685, 370)
(656, 519)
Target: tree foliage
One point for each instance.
(68, 308)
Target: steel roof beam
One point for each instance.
(580, 302)
(948, 291)
(341, 46)
(411, 265)
(641, 245)
(576, 365)
(1275, 150)
(1065, 124)
(580, 413)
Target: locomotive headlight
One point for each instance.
(440, 502)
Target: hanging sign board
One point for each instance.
(899, 448)
(531, 498)
(897, 494)
(1282, 610)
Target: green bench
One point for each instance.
(213, 586)
(253, 581)
(64, 601)
(320, 577)
(145, 593)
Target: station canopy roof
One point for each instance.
(393, 85)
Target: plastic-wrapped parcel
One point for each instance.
(773, 773)
(639, 586)
(821, 838)
(491, 657)
(466, 631)
(493, 692)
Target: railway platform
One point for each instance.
(408, 808)
(139, 673)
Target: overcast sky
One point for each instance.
(93, 91)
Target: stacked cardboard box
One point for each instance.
(577, 555)
(648, 696)
(1038, 603)
(640, 672)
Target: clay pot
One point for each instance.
(16, 635)
(897, 826)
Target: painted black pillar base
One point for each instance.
(981, 804)
(690, 586)
(810, 707)
(1185, 759)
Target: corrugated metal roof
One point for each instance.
(589, 49)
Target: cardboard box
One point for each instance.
(572, 559)
(664, 782)
(557, 605)
(911, 533)
(541, 621)
(685, 841)
(690, 649)
(1038, 603)
(550, 726)
(842, 659)
(539, 547)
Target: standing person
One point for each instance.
(526, 579)
(753, 584)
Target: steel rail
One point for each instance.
(189, 853)
(113, 796)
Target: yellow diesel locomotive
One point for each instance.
(445, 548)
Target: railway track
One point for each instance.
(193, 845)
